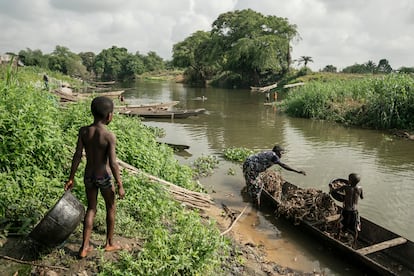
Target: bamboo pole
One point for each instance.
(189, 198)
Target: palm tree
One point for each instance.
(305, 60)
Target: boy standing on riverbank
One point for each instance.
(99, 145)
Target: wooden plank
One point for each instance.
(293, 84)
(381, 246)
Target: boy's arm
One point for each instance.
(361, 195)
(77, 157)
(113, 164)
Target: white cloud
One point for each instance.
(334, 32)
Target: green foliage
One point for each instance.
(369, 67)
(176, 240)
(38, 139)
(253, 45)
(196, 54)
(205, 165)
(379, 102)
(329, 68)
(237, 154)
(241, 42)
(153, 62)
(33, 58)
(67, 62)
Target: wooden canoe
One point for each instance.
(164, 114)
(110, 94)
(102, 82)
(379, 250)
(148, 107)
(263, 88)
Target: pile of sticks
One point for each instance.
(187, 197)
(295, 203)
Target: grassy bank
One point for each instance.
(384, 102)
(38, 139)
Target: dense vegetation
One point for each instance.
(382, 101)
(243, 48)
(37, 142)
(115, 63)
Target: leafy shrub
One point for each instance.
(237, 154)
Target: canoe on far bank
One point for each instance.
(109, 94)
(102, 82)
(263, 88)
(163, 114)
(377, 249)
(148, 107)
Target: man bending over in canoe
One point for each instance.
(99, 144)
(350, 218)
(257, 163)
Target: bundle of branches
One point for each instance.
(295, 203)
(272, 182)
(190, 198)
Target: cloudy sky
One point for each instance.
(335, 32)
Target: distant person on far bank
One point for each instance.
(46, 81)
(260, 162)
(275, 96)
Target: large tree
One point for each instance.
(195, 54)
(253, 45)
(116, 64)
(33, 58)
(67, 62)
(153, 62)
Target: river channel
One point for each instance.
(325, 150)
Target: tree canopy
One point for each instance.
(243, 42)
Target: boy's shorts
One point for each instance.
(98, 182)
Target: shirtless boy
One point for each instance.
(350, 217)
(99, 145)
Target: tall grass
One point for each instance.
(385, 102)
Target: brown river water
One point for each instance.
(325, 150)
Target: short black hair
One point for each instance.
(101, 107)
(278, 148)
(354, 178)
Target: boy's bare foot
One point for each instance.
(83, 252)
(114, 247)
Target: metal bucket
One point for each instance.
(340, 196)
(60, 221)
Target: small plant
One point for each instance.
(205, 165)
(237, 154)
(231, 171)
